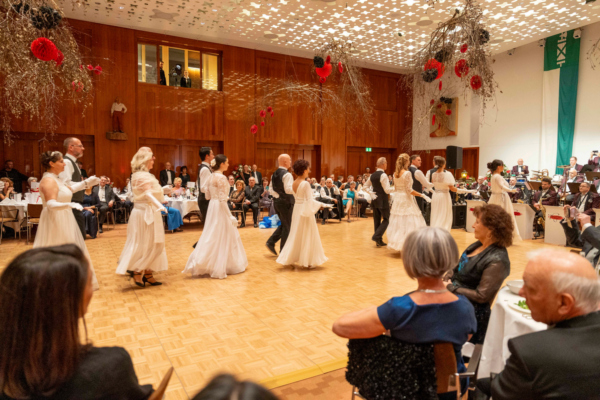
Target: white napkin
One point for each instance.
(8, 202)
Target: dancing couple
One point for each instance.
(296, 207)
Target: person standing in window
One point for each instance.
(163, 78)
(186, 81)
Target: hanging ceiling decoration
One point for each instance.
(40, 65)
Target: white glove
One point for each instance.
(426, 198)
(167, 190)
(153, 200)
(92, 181)
(464, 191)
(234, 221)
(55, 205)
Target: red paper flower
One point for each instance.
(90, 67)
(81, 67)
(435, 64)
(98, 70)
(44, 49)
(254, 129)
(325, 71)
(433, 120)
(476, 82)
(269, 109)
(464, 48)
(448, 112)
(262, 113)
(461, 68)
(322, 79)
(272, 113)
(340, 67)
(432, 102)
(77, 86)
(439, 106)
(59, 58)
(262, 123)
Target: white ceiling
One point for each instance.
(297, 27)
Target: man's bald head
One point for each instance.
(284, 161)
(559, 286)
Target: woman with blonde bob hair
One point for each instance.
(405, 215)
(144, 251)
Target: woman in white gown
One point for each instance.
(144, 251)
(303, 246)
(57, 223)
(441, 203)
(500, 190)
(219, 251)
(405, 215)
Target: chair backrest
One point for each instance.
(9, 212)
(162, 388)
(34, 210)
(445, 366)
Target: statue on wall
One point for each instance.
(117, 112)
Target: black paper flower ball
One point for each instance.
(319, 62)
(21, 8)
(443, 55)
(429, 75)
(484, 36)
(46, 18)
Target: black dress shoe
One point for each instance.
(380, 243)
(100, 230)
(255, 225)
(363, 216)
(271, 248)
(324, 221)
(243, 225)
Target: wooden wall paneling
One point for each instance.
(470, 160)
(146, 112)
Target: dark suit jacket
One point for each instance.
(514, 197)
(253, 194)
(515, 170)
(484, 188)
(259, 179)
(593, 201)
(594, 161)
(163, 78)
(578, 167)
(108, 193)
(591, 240)
(164, 178)
(551, 198)
(246, 177)
(185, 82)
(558, 363)
(83, 173)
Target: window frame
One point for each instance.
(200, 50)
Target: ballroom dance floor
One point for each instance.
(271, 324)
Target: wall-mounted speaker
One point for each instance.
(454, 156)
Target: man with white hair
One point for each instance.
(329, 194)
(520, 169)
(480, 185)
(562, 290)
(380, 185)
(283, 200)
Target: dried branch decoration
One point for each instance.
(32, 31)
(457, 47)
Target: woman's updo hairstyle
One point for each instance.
(402, 163)
(300, 166)
(492, 166)
(49, 156)
(439, 161)
(140, 159)
(219, 159)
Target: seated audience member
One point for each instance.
(127, 187)
(265, 198)
(350, 198)
(167, 176)
(83, 171)
(236, 199)
(231, 180)
(594, 160)
(362, 202)
(367, 171)
(339, 181)
(429, 314)
(480, 185)
(562, 290)
(573, 178)
(7, 189)
(174, 219)
(587, 238)
(14, 175)
(178, 189)
(328, 195)
(573, 166)
(226, 387)
(185, 177)
(251, 200)
(256, 174)
(484, 265)
(520, 169)
(322, 184)
(516, 196)
(547, 196)
(30, 180)
(313, 183)
(44, 293)
(585, 201)
(107, 200)
(91, 205)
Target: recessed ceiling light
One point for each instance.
(424, 21)
(271, 36)
(496, 40)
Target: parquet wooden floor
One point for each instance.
(271, 324)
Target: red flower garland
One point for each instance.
(59, 58)
(461, 68)
(262, 113)
(98, 70)
(254, 129)
(44, 49)
(476, 82)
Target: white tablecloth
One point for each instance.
(21, 206)
(505, 323)
(184, 206)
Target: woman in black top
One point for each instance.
(185, 177)
(44, 292)
(91, 205)
(237, 197)
(186, 81)
(484, 265)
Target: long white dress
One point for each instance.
(58, 225)
(219, 251)
(145, 244)
(441, 203)
(303, 246)
(405, 214)
(500, 197)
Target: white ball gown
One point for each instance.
(58, 225)
(405, 215)
(145, 244)
(501, 198)
(303, 246)
(441, 203)
(220, 251)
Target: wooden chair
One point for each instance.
(239, 211)
(34, 212)
(9, 215)
(159, 393)
(110, 214)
